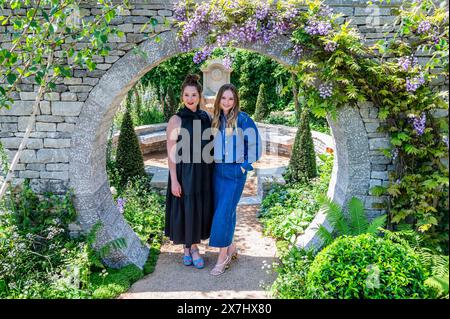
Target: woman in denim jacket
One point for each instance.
(237, 144)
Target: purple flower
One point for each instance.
(227, 62)
(419, 123)
(121, 204)
(297, 50)
(330, 46)
(424, 27)
(262, 12)
(179, 10)
(203, 54)
(413, 84)
(325, 90)
(407, 62)
(315, 27)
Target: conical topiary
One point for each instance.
(261, 104)
(129, 159)
(302, 166)
(170, 107)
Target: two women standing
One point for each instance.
(203, 192)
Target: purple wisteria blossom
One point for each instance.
(412, 84)
(262, 12)
(330, 46)
(325, 90)
(121, 204)
(297, 50)
(424, 27)
(227, 62)
(179, 10)
(407, 62)
(316, 27)
(203, 54)
(419, 123)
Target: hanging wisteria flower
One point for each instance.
(413, 84)
(262, 12)
(418, 123)
(325, 90)
(121, 204)
(203, 54)
(179, 10)
(297, 50)
(227, 62)
(407, 62)
(424, 27)
(330, 46)
(315, 27)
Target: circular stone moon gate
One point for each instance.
(351, 174)
(358, 164)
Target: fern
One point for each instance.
(358, 221)
(355, 224)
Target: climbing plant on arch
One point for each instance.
(336, 68)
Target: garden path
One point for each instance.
(248, 277)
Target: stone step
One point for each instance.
(249, 200)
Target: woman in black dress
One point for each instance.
(189, 200)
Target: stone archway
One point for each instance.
(352, 172)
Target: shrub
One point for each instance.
(302, 166)
(129, 159)
(170, 104)
(366, 267)
(261, 104)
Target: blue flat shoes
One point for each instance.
(198, 263)
(187, 260)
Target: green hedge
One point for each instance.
(366, 267)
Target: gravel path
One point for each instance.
(246, 278)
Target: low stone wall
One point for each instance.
(279, 139)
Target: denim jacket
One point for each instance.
(242, 146)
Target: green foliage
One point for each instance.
(261, 104)
(345, 270)
(170, 105)
(292, 274)
(302, 166)
(144, 209)
(352, 224)
(130, 162)
(287, 210)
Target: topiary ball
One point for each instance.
(366, 266)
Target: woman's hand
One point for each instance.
(176, 189)
(243, 170)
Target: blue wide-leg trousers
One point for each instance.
(229, 183)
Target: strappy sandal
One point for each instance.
(219, 269)
(234, 255)
(198, 263)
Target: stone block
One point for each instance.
(45, 127)
(66, 108)
(56, 143)
(52, 155)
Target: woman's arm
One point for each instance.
(173, 129)
(252, 143)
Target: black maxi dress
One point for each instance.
(189, 217)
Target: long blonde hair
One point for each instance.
(232, 115)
